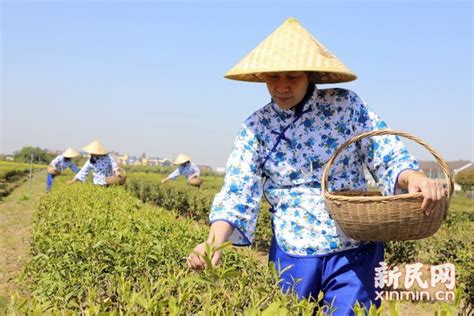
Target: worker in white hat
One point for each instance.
(280, 152)
(105, 168)
(59, 164)
(187, 169)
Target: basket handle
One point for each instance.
(437, 156)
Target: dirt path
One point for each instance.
(16, 214)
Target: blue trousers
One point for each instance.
(49, 182)
(344, 277)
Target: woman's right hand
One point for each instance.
(195, 260)
(218, 234)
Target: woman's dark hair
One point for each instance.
(312, 76)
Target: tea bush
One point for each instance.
(98, 250)
(192, 202)
(12, 174)
(453, 243)
(163, 170)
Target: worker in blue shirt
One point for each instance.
(187, 169)
(280, 153)
(59, 164)
(105, 169)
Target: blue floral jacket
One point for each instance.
(105, 166)
(186, 170)
(60, 164)
(281, 154)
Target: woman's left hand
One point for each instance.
(433, 191)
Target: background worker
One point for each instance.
(59, 164)
(187, 169)
(105, 169)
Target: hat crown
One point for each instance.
(181, 158)
(70, 153)
(291, 48)
(95, 148)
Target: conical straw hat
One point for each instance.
(70, 153)
(95, 148)
(182, 158)
(291, 48)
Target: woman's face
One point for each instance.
(287, 88)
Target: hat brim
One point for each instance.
(291, 48)
(70, 153)
(95, 149)
(180, 162)
(69, 156)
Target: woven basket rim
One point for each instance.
(404, 196)
(324, 184)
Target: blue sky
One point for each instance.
(148, 76)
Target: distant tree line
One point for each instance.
(40, 156)
(465, 179)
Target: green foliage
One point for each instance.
(40, 156)
(12, 174)
(465, 179)
(164, 170)
(192, 202)
(453, 243)
(399, 252)
(175, 195)
(371, 311)
(149, 169)
(10, 170)
(109, 253)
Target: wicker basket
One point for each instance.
(119, 179)
(369, 216)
